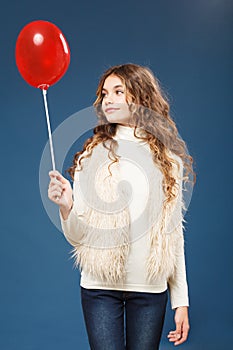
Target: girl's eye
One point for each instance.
(118, 92)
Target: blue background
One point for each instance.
(188, 45)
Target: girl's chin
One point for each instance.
(116, 120)
(113, 120)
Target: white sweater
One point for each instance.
(139, 249)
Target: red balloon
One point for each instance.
(42, 54)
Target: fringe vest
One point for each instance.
(104, 247)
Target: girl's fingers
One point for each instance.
(55, 187)
(173, 336)
(183, 338)
(56, 194)
(55, 184)
(178, 339)
(55, 175)
(54, 181)
(172, 333)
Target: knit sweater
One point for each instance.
(139, 248)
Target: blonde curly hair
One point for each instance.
(149, 109)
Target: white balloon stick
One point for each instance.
(49, 128)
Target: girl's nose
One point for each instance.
(108, 99)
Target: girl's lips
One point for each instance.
(110, 110)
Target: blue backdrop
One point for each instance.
(188, 45)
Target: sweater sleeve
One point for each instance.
(72, 227)
(177, 283)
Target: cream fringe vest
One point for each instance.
(105, 243)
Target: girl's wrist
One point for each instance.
(65, 210)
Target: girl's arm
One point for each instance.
(73, 226)
(177, 283)
(70, 206)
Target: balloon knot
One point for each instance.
(43, 86)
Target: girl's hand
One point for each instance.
(60, 192)
(180, 335)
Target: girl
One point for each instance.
(130, 252)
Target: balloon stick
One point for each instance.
(49, 128)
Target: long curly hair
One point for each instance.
(149, 109)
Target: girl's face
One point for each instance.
(114, 104)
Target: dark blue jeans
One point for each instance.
(118, 320)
